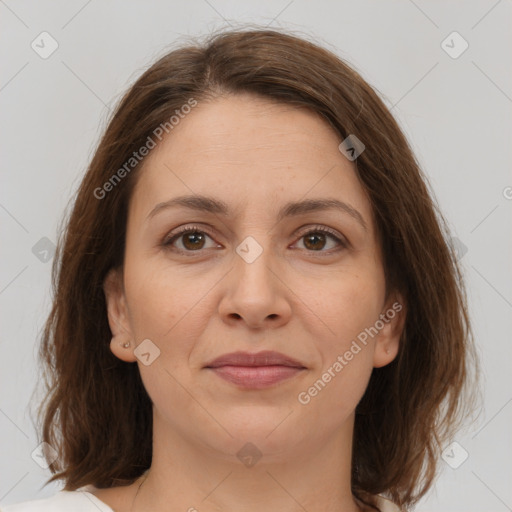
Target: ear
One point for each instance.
(388, 339)
(118, 317)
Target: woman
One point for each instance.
(255, 234)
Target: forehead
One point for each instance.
(249, 151)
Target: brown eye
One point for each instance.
(190, 239)
(318, 239)
(193, 240)
(315, 241)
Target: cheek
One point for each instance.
(350, 301)
(334, 394)
(170, 307)
(347, 310)
(165, 309)
(160, 298)
(336, 386)
(352, 305)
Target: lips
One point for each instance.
(265, 358)
(255, 371)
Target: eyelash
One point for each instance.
(167, 243)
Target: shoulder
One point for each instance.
(62, 501)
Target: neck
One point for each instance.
(184, 475)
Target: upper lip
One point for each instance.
(264, 358)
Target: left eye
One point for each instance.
(315, 240)
(193, 240)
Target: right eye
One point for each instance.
(191, 239)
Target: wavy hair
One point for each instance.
(96, 412)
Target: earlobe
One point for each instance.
(117, 311)
(122, 350)
(388, 339)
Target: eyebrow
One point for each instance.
(292, 209)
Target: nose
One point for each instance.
(255, 291)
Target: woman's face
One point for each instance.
(258, 272)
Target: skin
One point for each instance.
(308, 301)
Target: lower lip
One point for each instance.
(256, 377)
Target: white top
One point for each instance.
(62, 501)
(84, 501)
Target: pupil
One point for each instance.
(314, 238)
(193, 238)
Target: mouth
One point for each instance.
(255, 371)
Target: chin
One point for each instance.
(271, 430)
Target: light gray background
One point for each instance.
(456, 113)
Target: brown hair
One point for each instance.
(97, 414)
